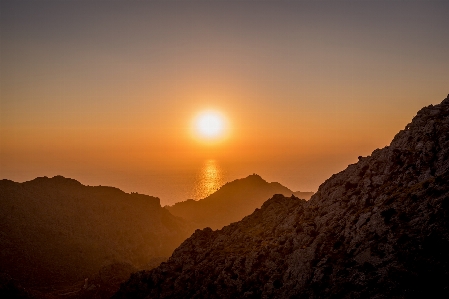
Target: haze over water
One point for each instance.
(195, 183)
(176, 184)
(210, 178)
(201, 178)
(106, 92)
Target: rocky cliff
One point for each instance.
(378, 229)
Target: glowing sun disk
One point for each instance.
(209, 125)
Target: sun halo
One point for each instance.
(209, 125)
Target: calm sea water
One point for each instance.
(194, 179)
(196, 184)
(199, 179)
(208, 180)
(174, 183)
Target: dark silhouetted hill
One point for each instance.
(378, 229)
(231, 202)
(56, 230)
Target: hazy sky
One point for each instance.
(103, 91)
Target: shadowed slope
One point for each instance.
(56, 230)
(378, 229)
(231, 202)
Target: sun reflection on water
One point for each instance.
(209, 179)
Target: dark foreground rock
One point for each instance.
(56, 231)
(378, 229)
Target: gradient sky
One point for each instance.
(105, 91)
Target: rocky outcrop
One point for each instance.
(302, 195)
(231, 202)
(378, 229)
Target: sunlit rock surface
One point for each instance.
(378, 229)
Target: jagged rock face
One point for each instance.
(378, 229)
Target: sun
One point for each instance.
(209, 125)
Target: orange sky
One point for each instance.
(104, 94)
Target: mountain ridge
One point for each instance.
(58, 230)
(378, 229)
(55, 232)
(233, 201)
